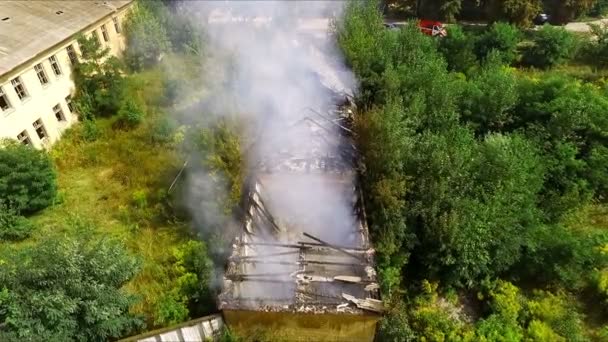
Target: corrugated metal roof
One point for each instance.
(29, 27)
(206, 328)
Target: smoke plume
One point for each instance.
(273, 63)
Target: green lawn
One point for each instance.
(119, 182)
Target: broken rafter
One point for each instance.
(265, 255)
(266, 214)
(352, 255)
(304, 244)
(312, 262)
(331, 121)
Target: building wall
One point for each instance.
(41, 99)
(287, 326)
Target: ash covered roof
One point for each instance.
(318, 258)
(28, 28)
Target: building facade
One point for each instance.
(37, 50)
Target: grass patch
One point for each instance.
(119, 182)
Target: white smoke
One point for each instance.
(273, 61)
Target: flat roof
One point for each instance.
(28, 28)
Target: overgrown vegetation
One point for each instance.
(141, 265)
(472, 171)
(27, 178)
(63, 289)
(517, 12)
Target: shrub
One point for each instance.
(13, 227)
(457, 48)
(162, 131)
(146, 38)
(559, 313)
(140, 199)
(99, 80)
(90, 130)
(67, 288)
(600, 8)
(130, 113)
(501, 37)
(552, 46)
(598, 50)
(520, 12)
(27, 178)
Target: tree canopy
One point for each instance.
(27, 178)
(67, 288)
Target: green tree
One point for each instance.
(517, 12)
(439, 9)
(489, 96)
(395, 326)
(565, 117)
(598, 49)
(559, 256)
(501, 37)
(384, 144)
(67, 288)
(563, 11)
(458, 49)
(27, 178)
(555, 312)
(505, 305)
(13, 227)
(130, 114)
(551, 46)
(99, 80)
(146, 36)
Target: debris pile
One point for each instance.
(297, 261)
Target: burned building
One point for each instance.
(303, 266)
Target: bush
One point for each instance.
(90, 130)
(598, 50)
(600, 9)
(501, 37)
(67, 289)
(13, 227)
(99, 80)
(552, 46)
(146, 38)
(457, 48)
(27, 178)
(521, 12)
(162, 131)
(130, 114)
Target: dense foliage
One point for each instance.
(27, 178)
(518, 12)
(99, 80)
(66, 288)
(551, 46)
(13, 227)
(469, 176)
(146, 37)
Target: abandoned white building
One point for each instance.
(37, 49)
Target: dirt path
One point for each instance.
(583, 26)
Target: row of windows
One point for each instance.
(104, 31)
(20, 88)
(38, 125)
(17, 82)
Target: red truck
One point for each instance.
(432, 28)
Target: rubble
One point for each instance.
(281, 264)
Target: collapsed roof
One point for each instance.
(305, 245)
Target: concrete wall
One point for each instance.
(286, 326)
(42, 98)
